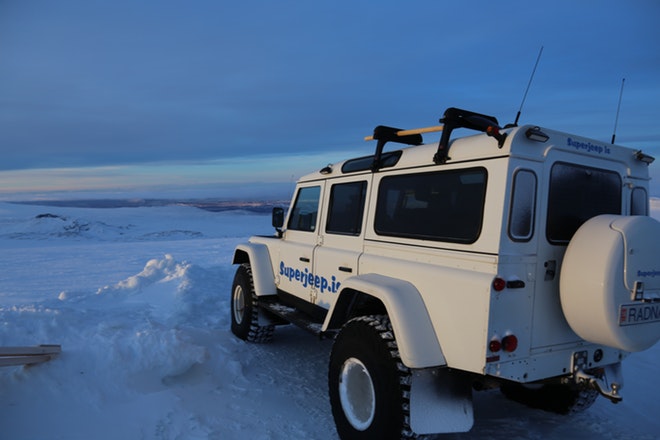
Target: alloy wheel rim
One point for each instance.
(357, 394)
(238, 304)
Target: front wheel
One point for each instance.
(369, 385)
(245, 309)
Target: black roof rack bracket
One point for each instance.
(458, 118)
(384, 134)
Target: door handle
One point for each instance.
(550, 270)
(346, 269)
(304, 259)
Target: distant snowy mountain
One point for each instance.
(214, 205)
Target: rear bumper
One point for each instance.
(551, 363)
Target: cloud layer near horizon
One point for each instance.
(97, 84)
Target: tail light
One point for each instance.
(495, 345)
(499, 284)
(510, 343)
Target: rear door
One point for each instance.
(575, 192)
(341, 240)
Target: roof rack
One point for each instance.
(452, 118)
(384, 134)
(457, 118)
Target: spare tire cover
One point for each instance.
(609, 278)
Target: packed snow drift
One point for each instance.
(138, 298)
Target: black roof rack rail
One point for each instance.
(458, 118)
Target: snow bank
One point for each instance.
(142, 315)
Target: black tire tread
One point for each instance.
(381, 326)
(556, 398)
(256, 333)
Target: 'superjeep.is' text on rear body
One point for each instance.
(520, 257)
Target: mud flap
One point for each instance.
(440, 402)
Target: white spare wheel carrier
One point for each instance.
(610, 282)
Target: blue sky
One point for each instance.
(207, 96)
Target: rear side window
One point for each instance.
(578, 193)
(305, 210)
(639, 203)
(440, 206)
(523, 201)
(346, 208)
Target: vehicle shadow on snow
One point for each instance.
(289, 376)
(292, 372)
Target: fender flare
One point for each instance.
(413, 329)
(257, 255)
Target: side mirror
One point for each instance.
(278, 220)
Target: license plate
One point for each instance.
(633, 314)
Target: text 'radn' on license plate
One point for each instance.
(632, 314)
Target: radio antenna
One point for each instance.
(538, 58)
(618, 108)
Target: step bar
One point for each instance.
(294, 316)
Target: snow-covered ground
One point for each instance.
(139, 300)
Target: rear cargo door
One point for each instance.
(576, 189)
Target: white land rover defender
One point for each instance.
(520, 257)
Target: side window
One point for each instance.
(578, 193)
(305, 210)
(442, 206)
(639, 203)
(346, 208)
(523, 201)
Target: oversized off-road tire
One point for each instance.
(245, 310)
(557, 398)
(369, 385)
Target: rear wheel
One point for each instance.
(368, 384)
(245, 309)
(557, 398)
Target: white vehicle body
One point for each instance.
(465, 255)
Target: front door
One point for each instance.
(293, 265)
